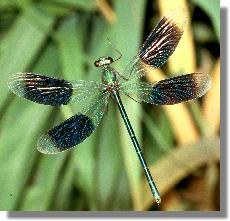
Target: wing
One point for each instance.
(49, 90)
(170, 91)
(74, 130)
(159, 45)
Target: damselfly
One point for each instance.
(155, 51)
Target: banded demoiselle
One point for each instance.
(155, 51)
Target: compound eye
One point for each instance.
(110, 60)
(96, 63)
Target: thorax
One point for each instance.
(109, 76)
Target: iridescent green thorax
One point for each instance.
(108, 75)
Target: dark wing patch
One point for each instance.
(163, 40)
(41, 89)
(66, 135)
(169, 91)
(178, 89)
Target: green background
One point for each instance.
(63, 39)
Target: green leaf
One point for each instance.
(62, 196)
(70, 43)
(18, 149)
(20, 46)
(85, 5)
(40, 193)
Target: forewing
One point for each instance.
(50, 91)
(74, 130)
(170, 91)
(163, 40)
(159, 45)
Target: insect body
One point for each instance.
(155, 51)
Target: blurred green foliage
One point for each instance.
(63, 38)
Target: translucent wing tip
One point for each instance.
(46, 145)
(178, 17)
(203, 82)
(16, 83)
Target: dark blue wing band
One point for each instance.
(66, 135)
(41, 89)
